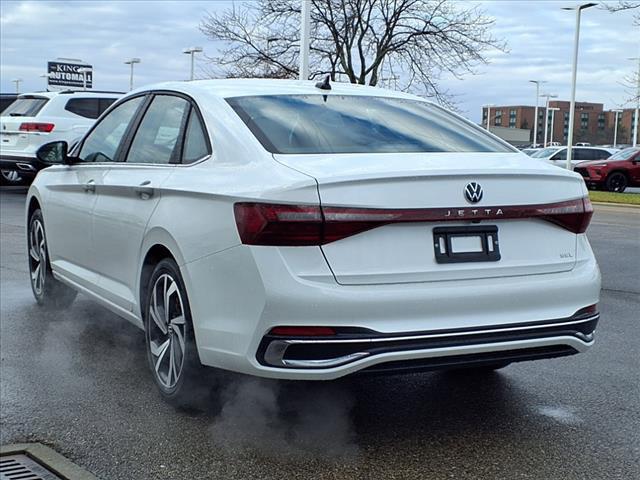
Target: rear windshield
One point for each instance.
(294, 124)
(25, 107)
(624, 154)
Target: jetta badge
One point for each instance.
(473, 192)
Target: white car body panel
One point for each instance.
(373, 280)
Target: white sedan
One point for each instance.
(287, 230)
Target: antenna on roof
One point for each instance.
(324, 84)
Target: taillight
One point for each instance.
(269, 224)
(36, 127)
(304, 225)
(574, 215)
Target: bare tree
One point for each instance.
(413, 41)
(624, 5)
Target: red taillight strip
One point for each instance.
(36, 127)
(295, 225)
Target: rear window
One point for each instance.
(88, 107)
(295, 124)
(625, 154)
(25, 107)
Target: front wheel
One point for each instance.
(617, 182)
(170, 341)
(48, 291)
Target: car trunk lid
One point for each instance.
(434, 184)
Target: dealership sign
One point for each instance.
(66, 74)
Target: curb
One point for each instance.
(611, 204)
(49, 459)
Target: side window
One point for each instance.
(561, 155)
(102, 143)
(195, 143)
(600, 154)
(583, 154)
(85, 107)
(156, 140)
(104, 104)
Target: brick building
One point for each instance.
(591, 123)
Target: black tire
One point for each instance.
(617, 182)
(10, 178)
(188, 386)
(48, 291)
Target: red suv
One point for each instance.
(616, 173)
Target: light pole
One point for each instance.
(17, 81)
(47, 76)
(131, 62)
(84, 71)
(546, 115)
(615, 128)
(192, 51)
(553, 110)
(574, 73)
(535, 120)
(488, 107)
(305, 28)
(635, 126)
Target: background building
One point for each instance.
(592, 123)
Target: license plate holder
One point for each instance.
(478, 243)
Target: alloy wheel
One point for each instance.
(167, 331)
(10, 175)
(37, 257)
(617, 183)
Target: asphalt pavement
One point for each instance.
(77, 381)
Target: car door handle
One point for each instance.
(144, 190)
(90, 186)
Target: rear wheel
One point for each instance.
(48, 291)
(171, 346)
(10, 177)
(617, 182)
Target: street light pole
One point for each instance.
(615, 128)
(553, 110)
(131, 62)
(192, 51)
(305, 27)
(535, 120)
(47, 76)
(546, 115)
(635, 127)
(17, 82)
(84, 71)
(488, 106)
(574, 74)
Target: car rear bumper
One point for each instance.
(349, 347)
(237, 296)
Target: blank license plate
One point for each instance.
(466, 244)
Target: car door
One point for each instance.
(132, 190)
(72, 191)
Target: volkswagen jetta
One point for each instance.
(309, 231)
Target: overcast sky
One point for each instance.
(539, 36)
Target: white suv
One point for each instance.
(34, 119)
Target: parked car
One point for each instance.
(34, 119)
(6, 99)
(558, 155)
(295, 230)
(620, 171)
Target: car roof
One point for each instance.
(88, 93)
(240, 87)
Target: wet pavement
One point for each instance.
(78, 382)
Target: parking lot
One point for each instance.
(78, 382)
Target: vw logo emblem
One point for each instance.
(473, 192)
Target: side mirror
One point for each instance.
(53, 153)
